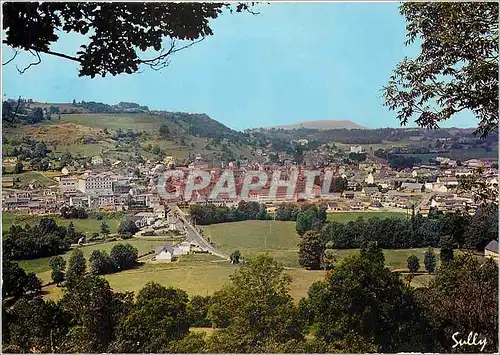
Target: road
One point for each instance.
(194, 236)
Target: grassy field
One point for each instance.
(42, 268)
(124, 121)
(277, 238)
(29, 176)
(87, 226)
(344, 217)
(196, 274)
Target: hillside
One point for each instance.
(123, 136)
(322, 125)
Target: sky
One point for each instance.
(293, 62)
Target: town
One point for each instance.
(186, 177)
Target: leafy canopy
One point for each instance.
(114, 35)
(456, 69)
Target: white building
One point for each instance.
(68, 184)
(370, 179)
(164, 253)
(356, 149)
(97, 160)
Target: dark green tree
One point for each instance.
(413, 264)
(463, 296)
(235, 257)
(127, 228)
(158, 318)
(117, 44)
(256, 307)
(104, 229)
(18, 168)
(362, 298)
(76, 266)
(447, 245)
(311, 249)
(430, 260)
(124, 256)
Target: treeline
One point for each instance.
(445, 231)
(121, 257)
(210, 213)
(43, 239)
(19, 112)
(360, 306)
(73, 212)
(306, 215)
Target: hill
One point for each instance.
(121, 132)
(322, 125)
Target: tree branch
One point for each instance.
(46, 51)
(11, 59)
(39, 60)
(160, 61)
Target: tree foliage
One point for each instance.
(463, 297)
(254, 308)
(115, 36)
(413, 264)
(430, 260)
(456, 69)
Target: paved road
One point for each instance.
(194, 236)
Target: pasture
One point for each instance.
(276, 238)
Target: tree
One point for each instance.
(158, 318)
(90, 306)
(447, 244)
(18, 168)
(255, 308)
(14, 279)
(35, 325)
(58, 265)
(413, 264)
(76, 266)
(235, 257)
(463, 296)
(101, 263)
(104, 229)
(311, 249)
(430, 260)
(197, 310)
(124, 256)
(362, 298)
(456, 69)
(127, 228)
(114, 45)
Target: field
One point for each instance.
(344, 217)
(196, 274)
(26, 178)
(87, 226)
(277, 238)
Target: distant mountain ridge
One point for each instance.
(322, 125)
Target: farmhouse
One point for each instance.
(164, 253)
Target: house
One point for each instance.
(164, 253)
(68, 170)
(412, 187)
(491, 250)
(349, 194)
(369, 179)
(97, 160)
(7, 181)
(369, 190)
(183, 248)
(356, 149)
